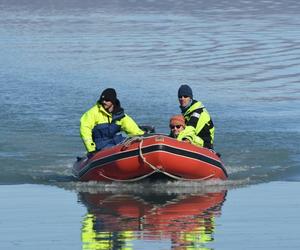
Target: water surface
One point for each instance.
(240, 57)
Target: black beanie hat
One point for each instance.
(185, 90)
(108, 95)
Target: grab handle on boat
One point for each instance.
(126, 143)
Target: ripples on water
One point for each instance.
(240, 57)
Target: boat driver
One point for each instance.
(199, 124)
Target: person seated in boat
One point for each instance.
(101, 124)
(197, 119)
(177, 124)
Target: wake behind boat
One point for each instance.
(152, 155)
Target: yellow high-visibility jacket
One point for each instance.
(98, 115)
(199, 126)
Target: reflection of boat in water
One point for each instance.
(140, 157)
(115, 220)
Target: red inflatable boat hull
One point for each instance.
(140, 157)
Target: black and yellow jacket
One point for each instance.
(199, 125)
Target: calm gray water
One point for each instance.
(240, 57)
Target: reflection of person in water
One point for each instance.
(93, 237)
(112, 222)
(200, 235)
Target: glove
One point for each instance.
(187, 140)
(147, 129)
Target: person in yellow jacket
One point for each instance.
(199, 125)
(101, 124)
(177, 124)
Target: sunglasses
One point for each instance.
(176, 126)
(183, 96)
(105, 100)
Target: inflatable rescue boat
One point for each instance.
(156, 155)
